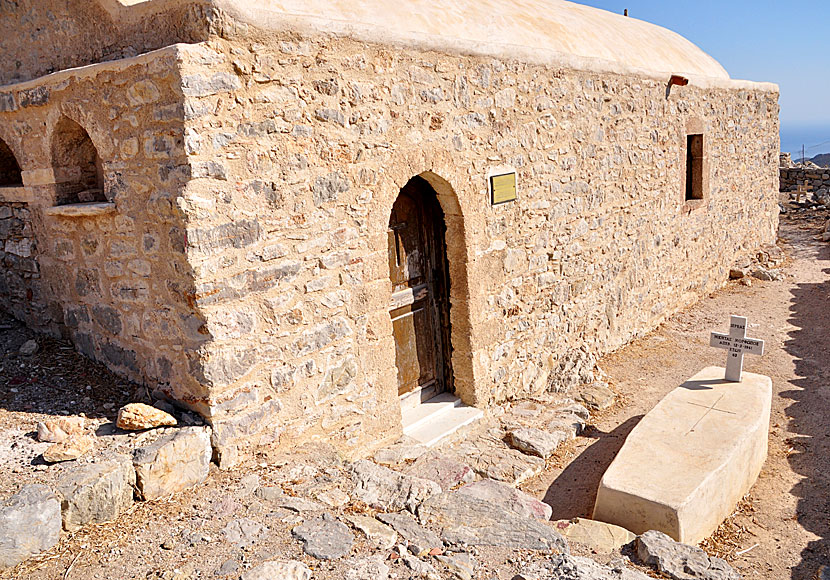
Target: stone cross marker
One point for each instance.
(738, 345)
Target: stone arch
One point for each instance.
(79, 173)
(457, 247)
(10, 174)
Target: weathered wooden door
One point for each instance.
(420, 305)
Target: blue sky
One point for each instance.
(764, 40)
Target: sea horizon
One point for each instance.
(814, 137)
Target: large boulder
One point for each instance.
(30, 523)
(174, 462)
(508, 497)
(464, 519)
(96, 493)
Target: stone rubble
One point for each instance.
(567, 567)
(601, 537)
(461, 565)
(369, 568)
(681, 561)
(536, 442)
(96, 493)
(29, 348)
(597, 396)
(244, 532)
(383, 488)
(174, 462)
(58, 429)
(30, 523)
(508, 497)
(69, 449)
(466, 520)
(275, 570)
(138, 416)
(324, 537)
(444, 471)
(379, 534)
(419, 539)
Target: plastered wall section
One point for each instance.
(115, 281)
(299, 156)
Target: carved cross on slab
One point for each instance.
(738, 345)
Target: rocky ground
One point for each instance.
(453, 512)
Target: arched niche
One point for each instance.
(79, 174)
(10, 175)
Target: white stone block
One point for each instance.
(690, 459)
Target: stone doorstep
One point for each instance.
(433, 421)
(692, 457)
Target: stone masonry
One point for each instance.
(239, 262)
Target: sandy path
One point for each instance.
(787, 512)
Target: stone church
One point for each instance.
(305, 219)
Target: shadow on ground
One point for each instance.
(572, 494)
(56, 380)
(809, 415)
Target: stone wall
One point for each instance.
(90, 31)
(816, 177)
(299, 147)
(114, 277)
(20, 282)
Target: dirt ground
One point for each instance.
(781, 530)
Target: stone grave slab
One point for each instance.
(687, 463)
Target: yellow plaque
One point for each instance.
(503, 188)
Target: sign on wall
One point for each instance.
(503, 188)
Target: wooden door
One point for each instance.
(418, 273)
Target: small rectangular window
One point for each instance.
(694, 167)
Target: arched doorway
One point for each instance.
(420, 307)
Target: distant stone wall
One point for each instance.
(816, 178)
(299, 148)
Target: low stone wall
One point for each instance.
(815, 177)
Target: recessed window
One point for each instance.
(78, 170)
(10, 175)
(694, 167)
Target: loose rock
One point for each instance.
(30, 523)
(535, 441)
(324, 538)
(29, 348)
(597, 396)
(96, 493)
(491, 458)
(681, 561)
(173, 463)
(444, 471)
(461, 565)
(420, 540)
(371, 568)
(57, 430)
(599, 536)
(138, 416)
(382, 488)
(378, 534)
(70, 449)
(279, 498)
(508, 497)
(244, 532)
(275, 570)
(567, 567)
(419, 567)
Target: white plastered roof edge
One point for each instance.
(583, 27)
(546, 32)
